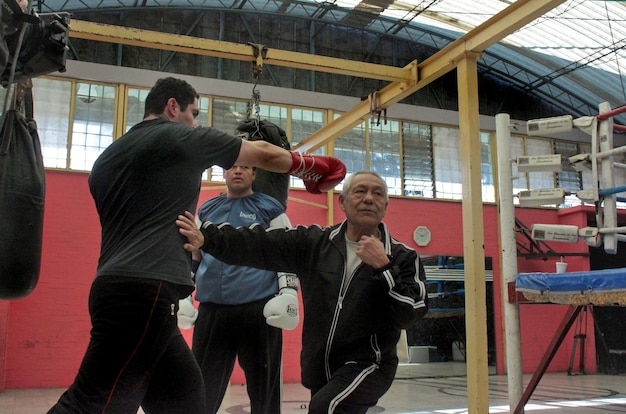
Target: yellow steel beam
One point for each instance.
(493, 30)
(473, 236)
(186, 44)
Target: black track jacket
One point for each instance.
(347, 317)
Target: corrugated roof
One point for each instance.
(574, 56)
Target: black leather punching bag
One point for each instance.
(22, 191)
(267, 182)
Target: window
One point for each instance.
(92, 127)
(304, 122)
(385, 154)
(447, 156)
(417, 151)
(136, 100)
(53, 120)
(90, 130)
(275, 114)
(416, 160)
(226, 116)
(448, 173)
(203, 111)
(351, 148)
(486, 168)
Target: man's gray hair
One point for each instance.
(347, 183)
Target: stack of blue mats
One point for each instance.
(594, 287)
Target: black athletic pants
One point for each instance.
(223, 333)
(136, 354)
(353, 388)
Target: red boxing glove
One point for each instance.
(320, 173)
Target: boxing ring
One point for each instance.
(580, 290)
(577, 289)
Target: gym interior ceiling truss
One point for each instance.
(572, 57)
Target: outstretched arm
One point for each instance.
(320, 173)
(264, 155)
(252, 246)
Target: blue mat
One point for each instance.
(594, 287)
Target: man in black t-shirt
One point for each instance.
(140, 184)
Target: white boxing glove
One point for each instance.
(187, 313)
(282, 310)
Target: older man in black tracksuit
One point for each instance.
(360, 287)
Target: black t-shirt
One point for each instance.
(141, 183)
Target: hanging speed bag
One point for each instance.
(273, 184)
(22, 190)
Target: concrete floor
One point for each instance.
(439, 387)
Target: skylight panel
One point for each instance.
(347, 4)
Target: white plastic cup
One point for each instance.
(561, 267)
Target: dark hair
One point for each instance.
(166, 88)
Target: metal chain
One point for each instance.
(256, 102)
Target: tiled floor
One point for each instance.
(438, 388)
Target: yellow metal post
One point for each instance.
(473, 237)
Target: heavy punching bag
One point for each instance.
(22, 190)
(267, 182)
